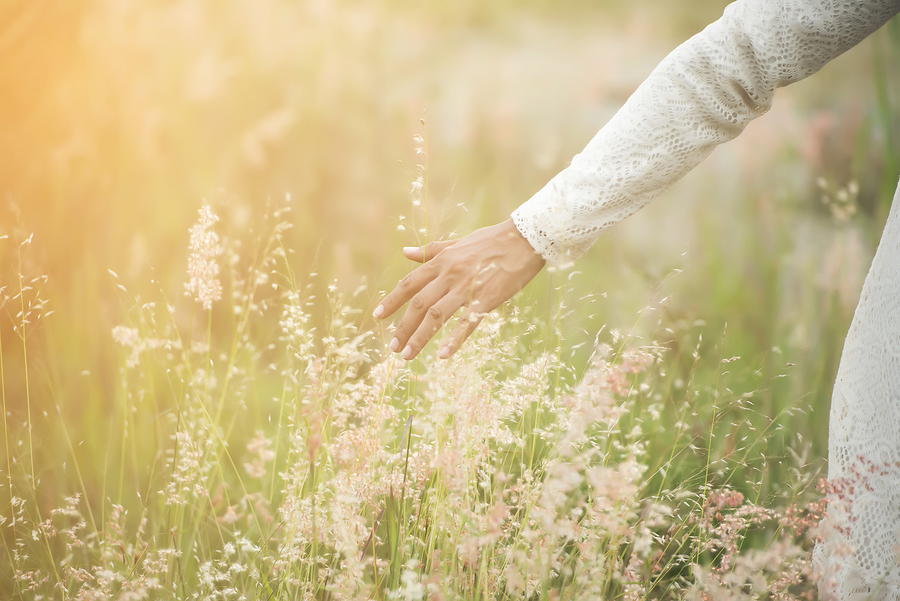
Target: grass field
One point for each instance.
(202, 204)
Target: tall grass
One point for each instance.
(312, 466)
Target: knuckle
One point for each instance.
(455, 268)
(435, 313)
(417, 302)
(406, 283)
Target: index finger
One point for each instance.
(405, 290)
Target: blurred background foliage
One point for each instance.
(117, 118)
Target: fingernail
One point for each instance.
(407, 353)
(395, 345)
(445, 352)
(408, 249)
(378, 312)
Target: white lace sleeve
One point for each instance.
(704, 93)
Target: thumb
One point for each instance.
(421, 254)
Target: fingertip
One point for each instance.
(448, 347)
(379, 312)
(413, 253)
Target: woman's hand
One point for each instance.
(480, 272)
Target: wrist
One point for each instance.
(521, 245)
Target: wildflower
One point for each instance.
(202, 266)
(230, 517)
(261, 447)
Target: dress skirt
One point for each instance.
(859, 540)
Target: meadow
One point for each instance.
(204, 202)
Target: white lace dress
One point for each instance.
(705, 93)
